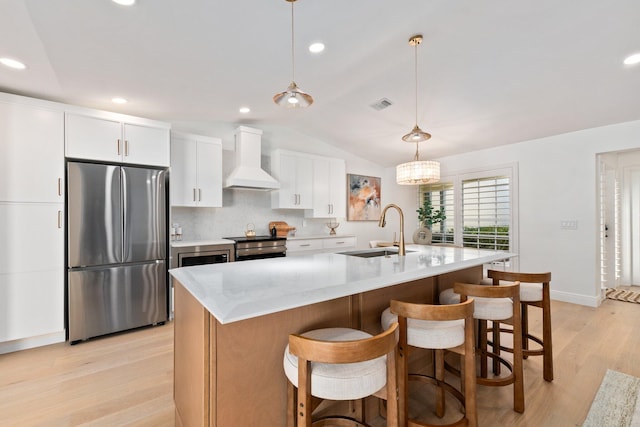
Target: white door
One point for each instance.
(183, 172)
(32, 160)
(144, 145)
(209, 166)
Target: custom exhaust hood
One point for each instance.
(248, 174)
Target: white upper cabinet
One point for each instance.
(329, 188)
(111, 140)
(196, 170)
(294, 171)
(32, 154)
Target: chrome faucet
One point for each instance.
(383, 222)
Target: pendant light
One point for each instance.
(417, 171)
(293, 97)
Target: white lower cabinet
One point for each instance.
(31, 270)
(317, 244)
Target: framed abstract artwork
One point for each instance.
(363, 198)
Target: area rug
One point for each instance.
(616, 402)
(623, 295)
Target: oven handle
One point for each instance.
(264, 250)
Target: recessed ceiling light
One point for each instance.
(12, 63)
(118, 100)
(316, 47)
(632, 59)
(125, 2)
(245, 110)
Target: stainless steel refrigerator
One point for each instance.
(117, 248)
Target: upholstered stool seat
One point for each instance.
(485, 308)
(339, 364)
(498, 304)
(438, 328)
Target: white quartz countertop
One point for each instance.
(319, 236)
(187, 243)
(243, 290)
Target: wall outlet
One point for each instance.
(568, 224)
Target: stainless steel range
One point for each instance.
(259, 247)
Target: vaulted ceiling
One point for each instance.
(491, 72)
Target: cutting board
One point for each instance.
(282, 228)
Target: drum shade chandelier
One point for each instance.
(293, 97)
(417, 171)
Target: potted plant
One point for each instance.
(427, 216)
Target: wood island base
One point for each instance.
(231, 374)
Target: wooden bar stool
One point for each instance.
(340, 364)
(495, 303)
(439, 328)
(534, 292)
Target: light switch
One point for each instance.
(568, 224)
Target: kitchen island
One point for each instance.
(232, 321)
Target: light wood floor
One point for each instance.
(126, 380)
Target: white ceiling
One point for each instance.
(491, 72)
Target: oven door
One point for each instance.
(186, 259)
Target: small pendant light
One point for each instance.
(417, 172)
(293, 97)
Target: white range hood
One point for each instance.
(248, 174)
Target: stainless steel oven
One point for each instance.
(259, 247)
(185, 254)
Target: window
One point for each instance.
(480, 208)
(442, 198)
(486, 213)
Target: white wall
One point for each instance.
(246, 206)
(557, 181)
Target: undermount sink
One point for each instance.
(372, 254)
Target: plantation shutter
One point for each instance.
(486, 213)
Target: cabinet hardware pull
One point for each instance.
(118, 146)
(199, 194)
(126, 147)
(339, 243)
(194, 194)
(59, 186)
(306, 244)
(59, 219)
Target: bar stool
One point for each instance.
(495, 303)
(534, 292)
(340, 364)
(439, 328)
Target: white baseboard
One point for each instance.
(32, 342)
(589, 301)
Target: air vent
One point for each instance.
(381, 104)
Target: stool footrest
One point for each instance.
(425, 379)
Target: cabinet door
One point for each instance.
(209, 166)
(321, 190)
(338, 188)
(285, 169)
(31, 270)
(304, 182)
(32, 154)
(183, 172)
(93, 138)
(145, 145)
